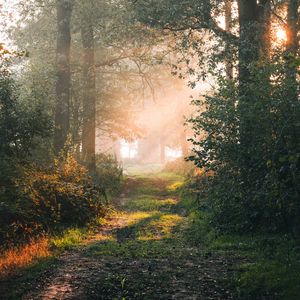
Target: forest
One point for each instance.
(150, 149)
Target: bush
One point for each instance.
(65, 194)
(257, 171)
(108, 174)
(47, 200)
(19, 127)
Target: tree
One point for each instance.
(121, 53)
(246, 129)
(228, 28)
(89, 95)
(254, 46)
(63, 79)
(292, 44)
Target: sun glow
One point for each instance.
(281, 35)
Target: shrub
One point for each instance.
(44, 200)
(64, 194)
(256, 168)
(108, 173)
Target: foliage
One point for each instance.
(108, 173)
(262, 191)
(20, 126)
(48, 199)
(275, 275)
(269, 266)
(123, 62)
(36, 198)
(246, 132)
(65, 194)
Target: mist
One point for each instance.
(149, 149)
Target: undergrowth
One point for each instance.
(270, 268)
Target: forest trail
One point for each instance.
(141, 252)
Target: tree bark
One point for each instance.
(292, 48)
(292, 44)
(248, 46)
(248, 56)
(76, 125)
(264, 18)
(292, 31)
(228, 47)
(63, 76)
(89, 96)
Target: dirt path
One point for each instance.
(141, 253)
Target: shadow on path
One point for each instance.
(141, 254)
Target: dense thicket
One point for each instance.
(34, 198)
(246, 130)
(252, 136)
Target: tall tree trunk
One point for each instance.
(248, 56)
(264, 43)
(292, 22)
(228, 47)
(76, 124)
(264, 19)
(89, 96)
(117, 150)
(292, 48)
(248, 48)
(63, 80)
(292, 44)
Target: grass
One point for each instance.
(270, 278)
(270, 268)
(141, 170)
(15, 286)
(71, 238)
(158, 245)
(147, 234)
(150, 221)
(148, 202)
(21, 267)
(153, 254)
(137, 249)
(16, 258)
(153, 228)
(174, 187)
(155, 240)
(160, 228)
